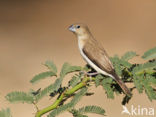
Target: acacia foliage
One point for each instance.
(141, 76)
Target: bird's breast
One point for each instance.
(81, 46)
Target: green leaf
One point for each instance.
(51, 66)
(76, 114)
(128, 55)
(75, 79)
(20, 97)
(117, 60)
(144, 83)
(51, 88)
(150, 54)
(152, 80)
(120, 64)
(118, 69)
(41, 76)
(91, 109)
(69, 105)
(60, 110)
(5, 113)
(78, 96)
(146, 67)
(148, 88)
(150, 92)
(138, 83)
(67, 68)
(80, 115)
(98, 80)
(106, 83)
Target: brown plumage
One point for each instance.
(95, 55)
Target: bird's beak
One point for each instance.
(71, 28)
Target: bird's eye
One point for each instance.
(78, 26)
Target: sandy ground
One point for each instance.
(32, 32)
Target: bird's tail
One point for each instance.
(122, 85)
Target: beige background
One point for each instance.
(34, 31)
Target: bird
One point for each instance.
(95, 55)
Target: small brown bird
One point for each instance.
(95, 55)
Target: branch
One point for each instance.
(66, 93)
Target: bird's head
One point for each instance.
(79, 29)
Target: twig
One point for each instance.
(66, 93)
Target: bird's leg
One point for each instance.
(92, 74)
(89, 74)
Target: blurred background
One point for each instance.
(33, 31)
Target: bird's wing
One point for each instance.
(96, 53)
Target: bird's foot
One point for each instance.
(89, 74)
(92, 74)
